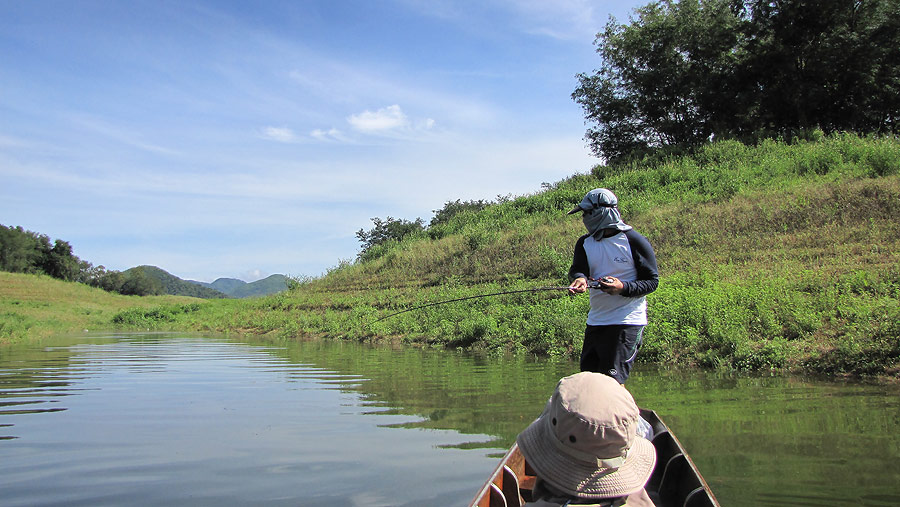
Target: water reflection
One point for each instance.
(159, 419)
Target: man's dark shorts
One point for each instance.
(611, 349)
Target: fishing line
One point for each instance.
(538, 289)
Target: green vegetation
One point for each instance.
(684, 72)
(24, 251)
(776, 256)
(35, 306)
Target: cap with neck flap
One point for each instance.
(600, 212)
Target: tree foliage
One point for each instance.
(23, 251)
(453, 208)
(389, 229)
(684, 72)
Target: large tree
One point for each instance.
(683, 72)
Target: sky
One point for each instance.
(243, 139)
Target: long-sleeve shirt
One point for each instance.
(627, 256)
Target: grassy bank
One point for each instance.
(773, 256)
(37, 306)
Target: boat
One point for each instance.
(675, 480)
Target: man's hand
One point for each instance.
(578, 286)
(612, 287)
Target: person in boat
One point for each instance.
(622, 264)
(587, 448)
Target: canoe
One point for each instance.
(675, 480)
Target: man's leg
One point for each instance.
(629, 342)
(611, 350)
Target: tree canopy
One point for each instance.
(684, 72)
(24, 251)
(389, 229)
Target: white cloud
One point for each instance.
(388, 121)
(331, 134)
(385, 119)
(280, 134)
(253, 275)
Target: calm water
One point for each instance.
(167, 419)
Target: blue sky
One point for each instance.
(241, 139)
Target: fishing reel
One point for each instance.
(600, 283)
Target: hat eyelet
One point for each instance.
(572, 438)
(553, 421)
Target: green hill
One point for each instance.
(773, 256)
(171, 284)
(270, 285)
(225, 285)
(240, 289)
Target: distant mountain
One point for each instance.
(171, 284)
(240, 289)
(227, 285)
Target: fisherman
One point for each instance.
(586, 447)
(620, 265)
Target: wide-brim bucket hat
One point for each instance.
(585, 443)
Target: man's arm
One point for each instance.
(645, 264)
(579, 269)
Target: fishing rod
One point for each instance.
(592, 284)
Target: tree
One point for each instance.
(390, 229)
(59, 262)
(19, 252)
(664, 80)
(137, 283)
(686, 71)
(831, 64)
(24, 251)
(453, 208)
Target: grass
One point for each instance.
(776, 256)
(36, 306)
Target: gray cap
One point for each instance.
(596, 198)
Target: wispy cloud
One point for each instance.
(331, 134)
(126, 135)
(280, 134)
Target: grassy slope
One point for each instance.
(36, 306)
(774, 256)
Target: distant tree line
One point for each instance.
(23, 251)
(685, 72)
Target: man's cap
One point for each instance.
(596, 198)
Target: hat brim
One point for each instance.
(576, 210)
(582, 479)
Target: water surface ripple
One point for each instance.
(173, 419)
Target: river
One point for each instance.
(175, 419)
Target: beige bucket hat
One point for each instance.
(585, 443)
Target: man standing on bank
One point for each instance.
(620, 266)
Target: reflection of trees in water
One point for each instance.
(496, 396)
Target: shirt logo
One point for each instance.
(621, 260)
